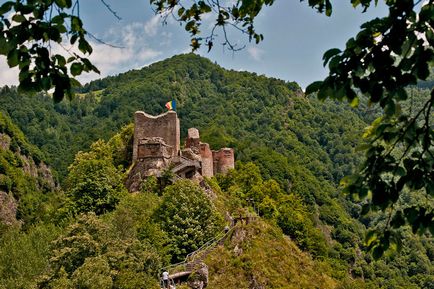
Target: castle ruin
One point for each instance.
(156, 148)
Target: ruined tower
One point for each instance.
(156, 147)
(164, 126)
(224, 160)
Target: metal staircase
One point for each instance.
(183, 269)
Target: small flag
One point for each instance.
(171, 105)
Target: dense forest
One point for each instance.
(291, 152)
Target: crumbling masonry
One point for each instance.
(156, 147)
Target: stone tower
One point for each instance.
(156, 147)
(224, 160)
(164, 126)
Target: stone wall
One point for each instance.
(193, 140)
(207, 161)
(156, 147)
(164, 126)
(223, 160)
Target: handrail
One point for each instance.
(210, 243)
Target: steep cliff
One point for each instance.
(25, 180)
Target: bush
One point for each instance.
(188, 217)
(93, 182)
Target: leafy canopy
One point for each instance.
(386, 56)
(94, 184)
(188, 217)
(29, 29)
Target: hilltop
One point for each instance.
(291, 152)
(224, 105)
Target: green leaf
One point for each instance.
(401, 94)
(4, 46)
(422, 70)
(71, 59)
(355, 3)
(181, 11)
(313, 87)
(18, 18)
(61, 61)
(46, 83)
(430, 37)
(390, 108)
(189, 25)
(76, 68)
(328, 6)
(6, 7)
(61, 3)
(73, 39)
(58, 93)
(324, 92)
(329, 54)
(74, 82)
(84, 46)
(13, 58)
(76, 24)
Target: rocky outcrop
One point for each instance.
(198, 279)
(8, 209)
(29, 166)
(5, 141)
(40, 172)
(45, 174)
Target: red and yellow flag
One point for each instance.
(171, 105)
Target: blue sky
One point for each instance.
(296, 37)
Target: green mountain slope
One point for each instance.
(303, 144)
(225, 105)
(26, 183)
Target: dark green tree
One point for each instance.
(94, 184)
(89, 254)
(188, 217)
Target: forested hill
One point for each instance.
(292, 152)
(231, 108)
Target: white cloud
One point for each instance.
(127, 47)
(111, 60)
(8, 76)
(165, 39)
(137, 44)
(152, 25)
(255, 53)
